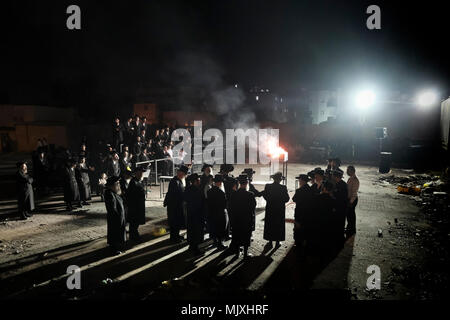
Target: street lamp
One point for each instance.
(365, 99)
(427, 98)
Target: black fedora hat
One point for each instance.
(184, 169)
(249, 171)
(206, 165)
(337, 172)
(243, 178)
(20, 163)
(218, 178)
(140, 169)
(319, 171)
(111, 180)
(303, 177)
(277, 175)
(193, 177)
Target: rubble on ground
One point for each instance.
(431, 194)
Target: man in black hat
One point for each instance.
(206, 180)
(225, 170)
(303, 202)
(125, 181)
(250, 172)
(125, 161)
(42, 172)
(117, 133)
(137, 146)
(113, 166)
(71, 190)
(194, 213)
(174, 203)
(318, 181)
(217, 212)
(137, 125)
(136, 203)
(321, 220)
(84, 184)
(25, 194)
(128, 131)
(341, 195)
(353, 187)
(115, 215)
(242, 209)
(276, 196)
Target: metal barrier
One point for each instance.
(156, 166)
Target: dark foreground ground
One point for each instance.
(412, 253)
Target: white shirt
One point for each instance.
(352, 187)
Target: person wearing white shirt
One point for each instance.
(353, 187)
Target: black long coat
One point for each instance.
(228, 185)
(174, 203)
(242, 208)
(321, 220)
(115, 215)
(302, 199)
(112, 168)
(316, 189)
(136, 202)
(341, 196)
(194, 214)
(217, 212)
(71, 191)
(117, 133)
(25, 194)
(276, 196)
(42, 172)
(84, 183)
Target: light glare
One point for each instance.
(427, 98)
(365, 99)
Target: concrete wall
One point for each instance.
(24, 124)
(27, 136)
(182, 117)
(148, 110)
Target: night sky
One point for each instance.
(282, 45)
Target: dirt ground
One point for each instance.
(35, 254)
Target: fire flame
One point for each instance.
(275, 151)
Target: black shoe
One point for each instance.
(221, 247)
(115, 251)
(248, 256)
(136, 239)
(23, 216)
(86, 203)
(28, 214)
(196, 251)
(176, 240)
(349, 234)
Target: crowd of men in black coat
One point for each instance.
(324, 202)
(224, 207)
(220, 205)
(84, 171)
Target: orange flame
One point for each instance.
(275, 151)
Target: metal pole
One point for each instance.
(156, 172)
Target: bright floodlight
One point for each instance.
(427, 98)
(365, 99)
